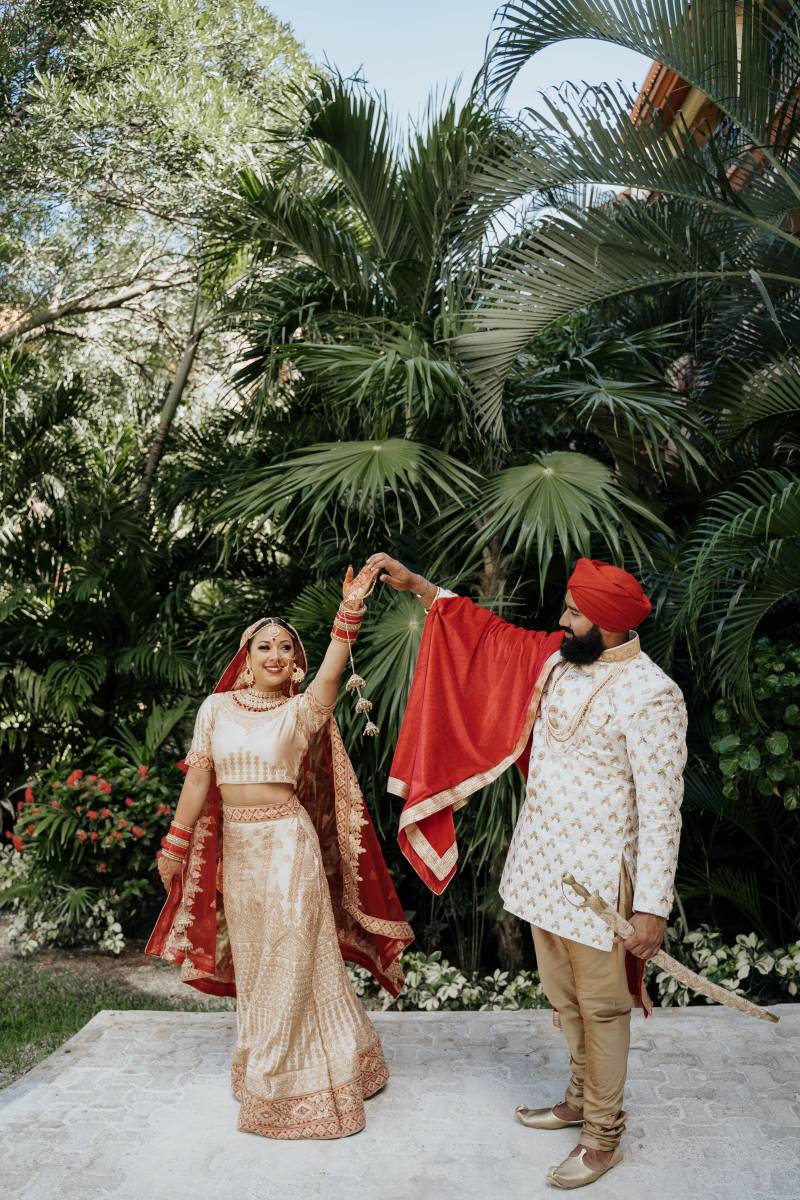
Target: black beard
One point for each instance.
(586, 649)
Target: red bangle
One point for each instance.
(179, 851)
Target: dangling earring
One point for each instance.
(248, 678)
(298, 675)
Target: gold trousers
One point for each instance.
(589, 989)
(306, 1054)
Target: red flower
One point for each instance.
(102, 868)
(73, 778)
(54, 804)
(129, 802)
(105, 787)
(9, 834)
(18, 844)
(137, 831)
(31, 830)
(82, 835)
(122, 824)
(20, 804)
(163, 810)
(143, 770)
(119, 835)
(181, 765)
(94, 835)
(29, 796)
(92, 778)
(92, 814)
(105, 812)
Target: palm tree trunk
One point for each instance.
(172, 401)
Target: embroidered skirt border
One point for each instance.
(330, 1113)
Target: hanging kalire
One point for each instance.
(356, 683)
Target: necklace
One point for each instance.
(565, 733)
(255, 700)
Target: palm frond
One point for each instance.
(744, 559)
(350, 131)
(273, 220)
(581, 258)
(753, 396)
(353, 482)
(727, 51)
(563, 498)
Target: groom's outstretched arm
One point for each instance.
(401, 579)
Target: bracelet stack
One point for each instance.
(176, 843)
(346, 625)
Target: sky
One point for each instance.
(406, 49)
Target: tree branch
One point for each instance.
(89, 303)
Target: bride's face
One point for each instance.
(271, 657)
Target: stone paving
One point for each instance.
(137, 1106)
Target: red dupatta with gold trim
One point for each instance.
(370, 921)
(473, 701)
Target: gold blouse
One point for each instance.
(245, 745)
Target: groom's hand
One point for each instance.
(647, 937)
(395, 574)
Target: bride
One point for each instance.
(301, 884)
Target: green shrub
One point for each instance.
(765, 757)
(80, 868)
(748, 967)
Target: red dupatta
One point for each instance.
(370, 921)
(473, 701)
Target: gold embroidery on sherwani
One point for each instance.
(306, 1054)
(610, 789)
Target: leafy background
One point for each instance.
(251, 331)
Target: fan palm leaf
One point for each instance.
(353, 482)
(562, 499)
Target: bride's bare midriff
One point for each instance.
(244, 794)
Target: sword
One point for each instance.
(698, 983)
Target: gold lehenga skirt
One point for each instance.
(306, 1053)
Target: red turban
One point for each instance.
(609, 597)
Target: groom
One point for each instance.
(599, 733)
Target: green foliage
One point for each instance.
(87, 837)
(763, 755)
(433, 985)
(749, 967)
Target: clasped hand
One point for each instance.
(647, 937)
(356, 588)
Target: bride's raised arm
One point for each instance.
(344, 632)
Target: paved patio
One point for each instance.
(137, 1107)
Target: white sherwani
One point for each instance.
(605, 783)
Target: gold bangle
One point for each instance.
(179, 842)
(185, 828)
(167, 854)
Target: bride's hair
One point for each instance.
(272, 621)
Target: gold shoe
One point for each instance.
(573, 1172)
(541, 1118)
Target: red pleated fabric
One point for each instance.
(470, 712)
